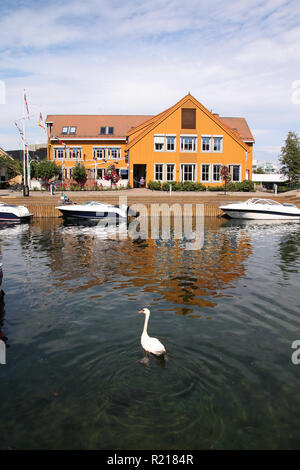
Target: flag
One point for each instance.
(20, 130)
(60, 141)
(26, 104)
(41, 122)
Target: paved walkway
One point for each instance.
(143, 192)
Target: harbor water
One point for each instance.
(227, 314)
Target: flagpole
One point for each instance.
(24, 149)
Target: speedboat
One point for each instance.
(257, 208)
(93, 210)
(11, 213)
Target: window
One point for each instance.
(217, 144)
(188, 172)
(205, 144)
(59, 152)
(75, 152)
(113, 152)
(158, 172)
(205, 170)
(124, 174)
(100, 173)
(159, 143)
(188, 144)
(216, 173)
(69, 130)
(99, 152)
(106, 130)
(171, 172)
(170, 143)
(235, 172)
(188, 118)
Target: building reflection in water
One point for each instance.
(83, 256)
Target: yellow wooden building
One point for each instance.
(186, 142)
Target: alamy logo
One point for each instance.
(2, 92)
(296, 93)
(2, 352)
(296, 354)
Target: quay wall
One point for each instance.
(45, 206)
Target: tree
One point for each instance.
(79, 174)
(47, 170)
(111, 174)
(290, 157)
(226, 176)
(259, 171)
(11, 165)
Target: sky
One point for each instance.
(238, 58)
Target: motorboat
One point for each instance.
(11, 213)
(93, 210)
(259, 208)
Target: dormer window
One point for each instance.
(68, 130)
(106, 130)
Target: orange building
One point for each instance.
(183, 143)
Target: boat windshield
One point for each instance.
(268, 202)
(91, 203)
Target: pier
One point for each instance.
(42, 204)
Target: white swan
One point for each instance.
(152, 345)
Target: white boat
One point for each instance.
(11, 213)
(259, 208)
(93, 210)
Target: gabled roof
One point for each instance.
(240, 125)
(89, 125)
(4, 154)
(222, 122)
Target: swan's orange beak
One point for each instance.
(141, 311)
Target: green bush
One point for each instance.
(154, 185)
(246, 186)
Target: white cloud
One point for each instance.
(238, 58)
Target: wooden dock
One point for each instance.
(44, 206)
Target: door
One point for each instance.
(139, 171)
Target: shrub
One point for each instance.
(246, 185)
(154, 185)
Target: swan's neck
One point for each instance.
(146, 324)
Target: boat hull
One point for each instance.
(92, 215)
(10, 217)
(260, 215)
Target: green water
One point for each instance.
(227, 315)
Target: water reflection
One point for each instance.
(91, 255)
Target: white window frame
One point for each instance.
(210, 139)
(163, 171)
(108, 152)
(174, 137)
(95, 153)
(77, 148)
(188, 136)
(161, 137)
(166, 171)
(209, 173)
(212, 143)
(182, 173)
(231, 165)
(220, 178)
(55, 149)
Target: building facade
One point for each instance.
(183, 143)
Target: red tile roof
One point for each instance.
(89, 125)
